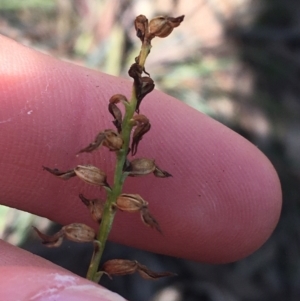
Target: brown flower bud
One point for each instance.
(95, 207)
(130, 202)
(109, 138)
(140, 167)
(91, 175)
(141, 26)
(163, 26)
(65, 175)
(149, 220)
(142, 127)
(79, 232)
(120, 267)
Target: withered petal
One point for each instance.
(95, 207)
(95, 144)
(138, 134)
(149, 220)
(161, 173)
(65, 175)
(145, 86)
(117, 114)
(50, 241)
(151, 275)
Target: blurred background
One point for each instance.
(235, 60)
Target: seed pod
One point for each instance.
(91, 175)
(162, 26)
(140, 167)
(65, 175)
(113, 140)
(121, 267)
(79, 232)
(52, 241)
(108, 138)
(142, 127)
(141, 26)
(149, 220)
(130, 202)
(95, 207)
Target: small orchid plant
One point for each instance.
(124, 141)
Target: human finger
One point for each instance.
(222, 203)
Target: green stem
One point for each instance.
(109, 210)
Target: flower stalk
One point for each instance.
(109, 211)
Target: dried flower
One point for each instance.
(142, 127)
(95, 207)
(91, 175)
(120, 267)
(75, 232)
(143, 85)
(115, 111)
(65, 175)
(130, 202)
(162, 26)
(141, 26)
(109, 138)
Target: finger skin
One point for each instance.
(221, 204)
(24, 276)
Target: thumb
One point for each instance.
(24, 276)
